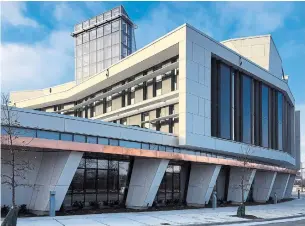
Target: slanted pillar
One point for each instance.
(55, 173)
(262, 185)
(145, 180)
(280, 185)
(235, 182)
(201, 183)
(289, 186)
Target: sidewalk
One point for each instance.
(174, 217)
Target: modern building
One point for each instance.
(172, 122)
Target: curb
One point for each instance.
(249, 221)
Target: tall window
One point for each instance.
(265, 116)
(280, 120)
(169, 189)
(221, 100)
(262, 114)
(246, 109)
(225, 102)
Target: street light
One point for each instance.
(302, 184)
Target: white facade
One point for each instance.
(191, 142)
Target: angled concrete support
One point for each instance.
(262, 185)
(289, 186)
(235, 182)
(201, 183)
(145, 180)
(280, 185)
(55, 173)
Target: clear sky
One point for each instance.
(37, 49)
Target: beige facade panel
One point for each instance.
(139, 95)
(166, 85)
(134, 120)
(116, 102)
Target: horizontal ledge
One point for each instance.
(29, 142)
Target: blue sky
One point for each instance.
(37, 49)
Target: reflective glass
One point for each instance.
(93, 46)
(85, 71)
(66, 136)
(86, 48)
(22, 132)
(107, 29)
(90, 182)
(113, 142)
(86, 24)
(93, 21)
(100, 55)
(48, 135)
(107, 15)
(100, 67)
(225, 102)
(93, 34)
(246, 109)
(79, 62)
(115, 38)
(107, 63)
(79, 51)
(100, 32)
(280, 120)
(91, 139)
(102, 140)
(100, 18)
(86, 60)
(107, 41)
(265, 116)
(85, 37)
(115, 26)
(107, 53)
(79, 138)
(99, 43)
(92, 57)
(92, 69)
(79, 39)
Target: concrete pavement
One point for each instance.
(201, 216)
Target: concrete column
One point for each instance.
(145, 180)
(262, 185)
(280, 185)
(235, 181)
(289, 186)
(55, 173)
(202, 181)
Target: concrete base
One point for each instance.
(280, 185)
(262, 185)
(289, 187)
(235, 181)
(202, 181)
(145, 180)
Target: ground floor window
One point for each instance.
(99, 178)
(169, 190)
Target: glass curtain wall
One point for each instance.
(221, 100)
(265, 116)
(169, 190)
(262, 114)
(99, 178)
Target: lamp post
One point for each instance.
(302, 183)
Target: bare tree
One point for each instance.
(244, 184)
(16, 166)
